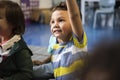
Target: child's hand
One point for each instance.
(36, 62)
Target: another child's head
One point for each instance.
(11, 18)
(60, 23)
(103, 63)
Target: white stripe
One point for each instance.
(73, 49)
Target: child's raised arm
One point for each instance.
(74, 16)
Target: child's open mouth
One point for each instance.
(57, 31)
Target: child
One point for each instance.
(15, 56)
(103, 63)
(68, 42)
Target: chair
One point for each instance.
(106, 7)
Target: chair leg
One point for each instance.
(113, 20)
(104, 20)
(95, 20)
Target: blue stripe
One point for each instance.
(67, 59)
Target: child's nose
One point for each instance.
(56, 24)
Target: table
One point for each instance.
(83, 8)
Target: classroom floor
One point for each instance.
(38, 34)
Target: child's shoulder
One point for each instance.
(52, 39)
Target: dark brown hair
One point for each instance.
(60, 6)
(14, 16)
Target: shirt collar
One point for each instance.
(8, 44)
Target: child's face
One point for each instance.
(5, 28)
(60, 25)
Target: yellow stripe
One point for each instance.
(82, 45)
(66, 70)
(57, 46)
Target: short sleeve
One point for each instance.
(82, 43)
(52, 41)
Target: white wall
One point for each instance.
(45, 4)
(57, 1)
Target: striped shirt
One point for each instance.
(67, 56)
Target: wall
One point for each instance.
(45, 4)
(57, 1)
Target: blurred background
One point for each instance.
(100, 19)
